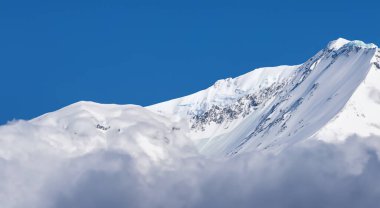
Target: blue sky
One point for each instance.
(54, 53)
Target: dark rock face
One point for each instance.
(101, 127)
(377, 64)
(248, 103)
(242, 107)
(377, 61)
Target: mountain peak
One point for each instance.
(267, 109)
(338, 43)
(341, 42)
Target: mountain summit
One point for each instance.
(333, 95)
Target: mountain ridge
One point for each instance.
(267, 109)
(334, 51)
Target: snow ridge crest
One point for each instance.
(341, 43)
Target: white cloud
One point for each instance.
(309, 174)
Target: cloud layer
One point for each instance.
(309, 174)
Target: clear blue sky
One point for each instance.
(54, 53)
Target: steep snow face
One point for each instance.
(223, 106)
(86, 127)
(272, 108)
(318, 93)
(361, 114)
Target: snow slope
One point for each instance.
(223, 106)
(272, 108)
(332, 96)
(86, 127)
(360, 115)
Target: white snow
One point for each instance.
(222, 93)
(179, 153)
(331, 97)
(340, 78)
(338, 43)
(86, 127)
(360, 115)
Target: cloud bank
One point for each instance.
(309, 174)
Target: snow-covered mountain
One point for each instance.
(332, 96)
(286, 136)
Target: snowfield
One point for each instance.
(287, 136)
(272, 108)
